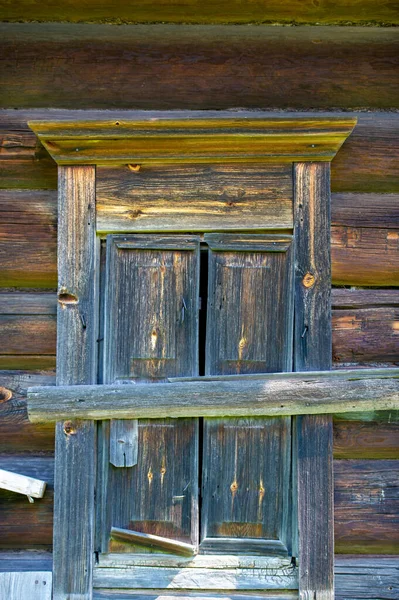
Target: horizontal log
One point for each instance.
(268, 395)
(342, 298)
(29, 341)
(367, 439)
(366, 335)
(366, 577)
(365, 256)
(17, 434)
(365, 210)
(367, 162)
(366, 506)
(206, 11)
(22, 524)
(22, 484)
(189, 66)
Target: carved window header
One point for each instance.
(224, 139)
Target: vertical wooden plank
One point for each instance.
(312, 351)
(246, 471)
(151, 333)
(76, 364)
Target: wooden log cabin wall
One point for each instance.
(109, 60)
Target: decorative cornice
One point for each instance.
(185, 141)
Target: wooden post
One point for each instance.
(312, 350)
(76, 363)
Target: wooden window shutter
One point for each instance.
(263, 453)
(151, 333)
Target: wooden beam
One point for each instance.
(189, 66)
(75, 442)
(204, 12)
(313, 434)
(276, 394)
(205, 141)
(22, 484)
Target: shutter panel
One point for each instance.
(151, 333)
(246, 464)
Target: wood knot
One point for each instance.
(65, 298)
(5, 394)
(309, 280)
(234, 486)
(69, 428)
(134, 168)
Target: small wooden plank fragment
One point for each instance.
(312, 350)
(35, 585)
(279, 394)
(76, 363)
(152, 541)
(22, 484)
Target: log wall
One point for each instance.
(95, 70)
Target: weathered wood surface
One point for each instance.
(366, 163)
(156, 278)
(313, 521)
(77, 322)
(17, 434)
(248, 331)
(197, 67)
(29, 341)
(367, 506)
(35, 585)
(365, 256)
(364, 227)
(194, 198)
(22, 524)
(367, 493)
(366, 335)
(227, 139)
(208, 11)
(363, 322)
(25, 560)
(365, 210)
(366, 578)
(278, 394)
(22, 484)
(283, 577)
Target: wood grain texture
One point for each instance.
(365, 210)
(35, 585)
(28, 339)
(279, 394)
(360, 256)
(198, 67)
(194, 198)
(366, 506)
(151, 332)
(205, 141)
(208, 11)
(313, 435)
(17, 434)
(366, 578)
(367, 439)
(366, 335)
(365, 256)
(366, 163)
(77, 324)
(146, 578)
(22, 524)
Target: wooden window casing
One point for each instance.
(301, 147)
